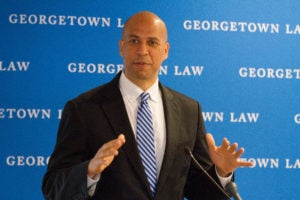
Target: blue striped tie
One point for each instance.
(145, 140)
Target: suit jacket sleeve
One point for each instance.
(198, 185)
(66, 177)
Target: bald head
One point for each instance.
(145, 18)
(143, 47)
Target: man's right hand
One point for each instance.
(104, 156)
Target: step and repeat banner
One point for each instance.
(239, 59)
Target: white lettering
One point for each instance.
(296, 118)
(94, 21)
(120, 23)
(60, 20)
(263, 162)
(32, 19)
(22, 113)
(163, 70)
(59, 113)
(264, 28)
(188, 70)
(232, 26)
(294, 165)
(72, 19)
(10, 161)
(82, 21)
(52, 20)
(244, 117)
(94, 68)
(29, 161)
(13, 18)
(213, 116)
(105, 22)
(15, 66)
(269, 73)
(288, 30)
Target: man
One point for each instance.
(98, 154)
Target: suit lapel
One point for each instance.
(115, 110)
(171, 117)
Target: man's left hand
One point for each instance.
(226, 156)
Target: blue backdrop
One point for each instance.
(239, 59)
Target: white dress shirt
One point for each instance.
(131, 96)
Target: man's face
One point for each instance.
(144, 48)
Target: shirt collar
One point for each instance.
(133, 92)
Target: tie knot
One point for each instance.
(145, 96)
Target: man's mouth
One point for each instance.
(141, 63)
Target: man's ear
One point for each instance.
(167, 47)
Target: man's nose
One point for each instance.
(142, 49)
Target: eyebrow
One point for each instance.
(135, 36)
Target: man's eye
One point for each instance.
(153, 43)
(133, 41)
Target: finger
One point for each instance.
(245, 164)
(108, 149)
(121, 138)
(111, 148)
(116, 143)
(225, 144)
(107, 154)
(233, 147)
(210, 141)
(239, 153)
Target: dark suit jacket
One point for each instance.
(97, 117)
